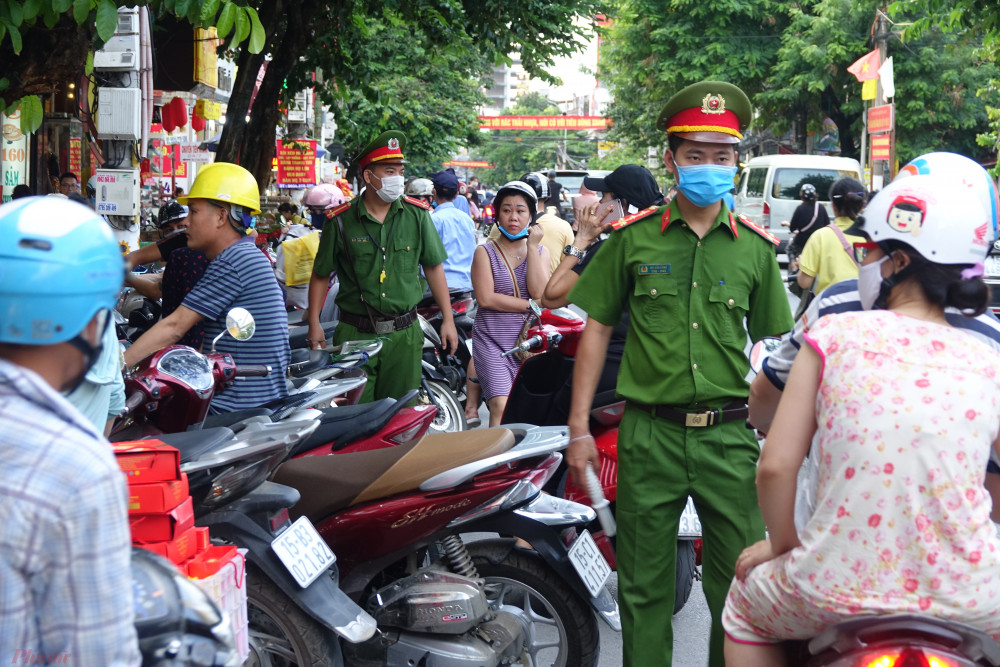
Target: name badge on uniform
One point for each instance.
(654, 269)
(359, 239)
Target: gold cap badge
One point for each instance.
(713, 104)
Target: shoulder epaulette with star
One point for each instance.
(417, 202)
(629, 219)
(334, 212)
(760, 230)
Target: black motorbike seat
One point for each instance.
(341, 426)
(304, 361)
(229, 418)
(194, 444)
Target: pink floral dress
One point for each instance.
(907, 413)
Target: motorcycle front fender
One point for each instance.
(541, 523)
(322, 600)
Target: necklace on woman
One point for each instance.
(517, 258)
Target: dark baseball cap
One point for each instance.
(631, 182)
(445, 180)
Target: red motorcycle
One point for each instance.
(395, 516)
(541, 395)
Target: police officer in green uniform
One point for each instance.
(689, 273)
(377, 243)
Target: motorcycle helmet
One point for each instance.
(537, 183)
(59, 266)
(324, 197)
(169, 212)
(807, 192)
(420, 187)
(228, 184)
(552, 173)
(519, 188)
(939, 217)
(92, 187)
(962, 168)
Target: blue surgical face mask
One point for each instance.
(705, 184)
(513, 237)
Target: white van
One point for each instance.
(768, 190)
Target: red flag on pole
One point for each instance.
(865, 68)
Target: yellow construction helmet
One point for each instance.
(227, 183)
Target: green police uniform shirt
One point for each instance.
(688, 299)
(410, 240)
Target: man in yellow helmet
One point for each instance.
(220, 205)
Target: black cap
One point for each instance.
(630, 182)
(445, 180)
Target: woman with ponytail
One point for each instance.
(905, 409)
(827, 256)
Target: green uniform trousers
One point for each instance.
(396, 369)
(661, 463)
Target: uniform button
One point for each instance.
(653, 291)
(694, 325)
(694, 366)
(407, 247)
(699, 244)
(383, 294)
(731, 302)
(694, 284)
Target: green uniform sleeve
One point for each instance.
(602, 290)
(432, 250)
(325, 261)
(769, 313)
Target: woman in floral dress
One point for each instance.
(906, 409)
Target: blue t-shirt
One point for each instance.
(458, 233)
(242, 277)
(462, 204)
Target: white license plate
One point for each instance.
(303, 552)
(992, 265)
(589, 563)
(690, 525)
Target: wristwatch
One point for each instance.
(572, 250)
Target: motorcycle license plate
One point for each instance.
(303, 552)
(690, 525)
(589, 563)
(993, 265)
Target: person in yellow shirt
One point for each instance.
(828, 256)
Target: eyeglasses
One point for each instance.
(861, 249)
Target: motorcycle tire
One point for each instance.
(450, 417)
(517, 578)
(281, 634)
(686, 572)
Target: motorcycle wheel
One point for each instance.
(281, 634)
(562, 627)
(685, 568)
(450, 416)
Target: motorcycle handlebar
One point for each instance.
(133, 401)
(252, 370)
(528, 344)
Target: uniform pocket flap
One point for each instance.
(654, 286)
(730, 297)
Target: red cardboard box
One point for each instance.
(157, 497)
(145, 461)
(203, 542)
(177, 550)
(162, 527)
(208, 562)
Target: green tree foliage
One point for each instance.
(515, 152)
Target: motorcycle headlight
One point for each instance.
(242, 476)
(187, 366)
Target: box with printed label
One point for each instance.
(162, 527)
(177, 550)
(157, 497)
(148, 461)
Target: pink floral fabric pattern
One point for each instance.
(907, 413)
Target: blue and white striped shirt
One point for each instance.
(241, 277)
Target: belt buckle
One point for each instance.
(699, 419)
(384, 327)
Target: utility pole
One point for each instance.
(881, 36)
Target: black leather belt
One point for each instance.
(383, 325)
(736, 411)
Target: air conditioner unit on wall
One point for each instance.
(118, 113)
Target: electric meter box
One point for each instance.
(118, 113)
(119, 54)
(117, 192)
(128, 21)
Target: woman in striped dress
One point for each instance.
(505, 273)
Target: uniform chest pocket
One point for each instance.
(405, 254)
(655, 305)
(727, 308)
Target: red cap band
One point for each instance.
(696, 120)
(380, 154)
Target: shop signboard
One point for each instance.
(296, 162)
(13, 154)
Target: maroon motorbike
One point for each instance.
(396, 517)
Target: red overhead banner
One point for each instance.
(469, 164)
(296, 162)
(543, 123)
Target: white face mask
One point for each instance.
(392, 188)
(870, 282)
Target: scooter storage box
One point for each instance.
(157, 497)
(220, 571)
(180, 549)
(162, 527)
(145, 461)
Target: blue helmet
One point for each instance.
(59, 266)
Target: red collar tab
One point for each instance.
(629, 219)
(417, 202)
(665, 220)
(760, 230)
(334, 212)
(732, 225)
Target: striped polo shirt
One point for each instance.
(241, 277)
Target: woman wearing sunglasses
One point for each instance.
(906, 409)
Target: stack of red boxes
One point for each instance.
(161, 515)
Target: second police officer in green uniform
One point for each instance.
(388, 239)
(689, 273)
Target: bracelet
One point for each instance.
(310, 340)
(580, 437)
